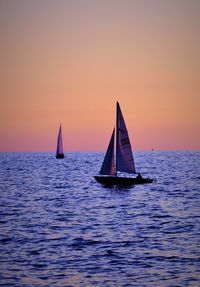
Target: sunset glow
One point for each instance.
(70, 61)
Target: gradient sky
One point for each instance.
(70, 61)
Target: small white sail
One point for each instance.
(124, 155)
(59, 151)
(108, 166)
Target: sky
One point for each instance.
(69, 61)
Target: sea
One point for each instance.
(59, 227)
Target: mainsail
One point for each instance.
(108, 166)
(59, 151)
(124, 156)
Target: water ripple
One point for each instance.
(58, 227)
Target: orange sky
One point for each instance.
(69, 61)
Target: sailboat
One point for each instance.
(59, 150)
(123, 162)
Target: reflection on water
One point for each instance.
(59, 227)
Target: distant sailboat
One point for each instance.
(124, 161)
(59, 151)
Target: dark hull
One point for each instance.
(59, 156)
(116, 180)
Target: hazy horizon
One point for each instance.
(99, 151)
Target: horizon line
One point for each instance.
(102, 151)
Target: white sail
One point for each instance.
(124, 156)
(108, 166)
(59, 151)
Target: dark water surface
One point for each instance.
(58, 227)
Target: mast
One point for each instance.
(117, 133)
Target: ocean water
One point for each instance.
(59, 227)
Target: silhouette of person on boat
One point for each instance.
(139, 177)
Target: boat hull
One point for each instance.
(116, 180)
(59, 156)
